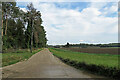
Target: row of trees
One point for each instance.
(84, 45)
(22, 29)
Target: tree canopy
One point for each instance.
(22, 29)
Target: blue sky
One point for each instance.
(78, 22)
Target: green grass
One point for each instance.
(106, 60)
(14, 57)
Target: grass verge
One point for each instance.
(102, 64)
(19, 55)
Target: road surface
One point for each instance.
(43, 65)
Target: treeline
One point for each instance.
(85, 45)
(22, 29)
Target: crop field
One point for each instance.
(113, 51)
(11, 57)
(103, 64)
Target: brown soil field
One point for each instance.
(114, 51)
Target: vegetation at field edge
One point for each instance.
(102, 64)
(19, 55)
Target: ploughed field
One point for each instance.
(113, 51)
(102, 64)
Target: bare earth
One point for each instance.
(43, 65)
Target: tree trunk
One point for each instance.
(32, 37)
(2, 24)
(6, 25)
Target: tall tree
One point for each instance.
(8, 11)
(31, 17)
(24, 27)
(10, 16)
(35, 31)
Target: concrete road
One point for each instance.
(43, 65)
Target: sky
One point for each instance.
(78, 22)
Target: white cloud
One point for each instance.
(67, 0)
(81, 40)
(98, 5)
(63, 25)
(24, 9)
(112, 9)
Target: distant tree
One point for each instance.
(67, 45)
